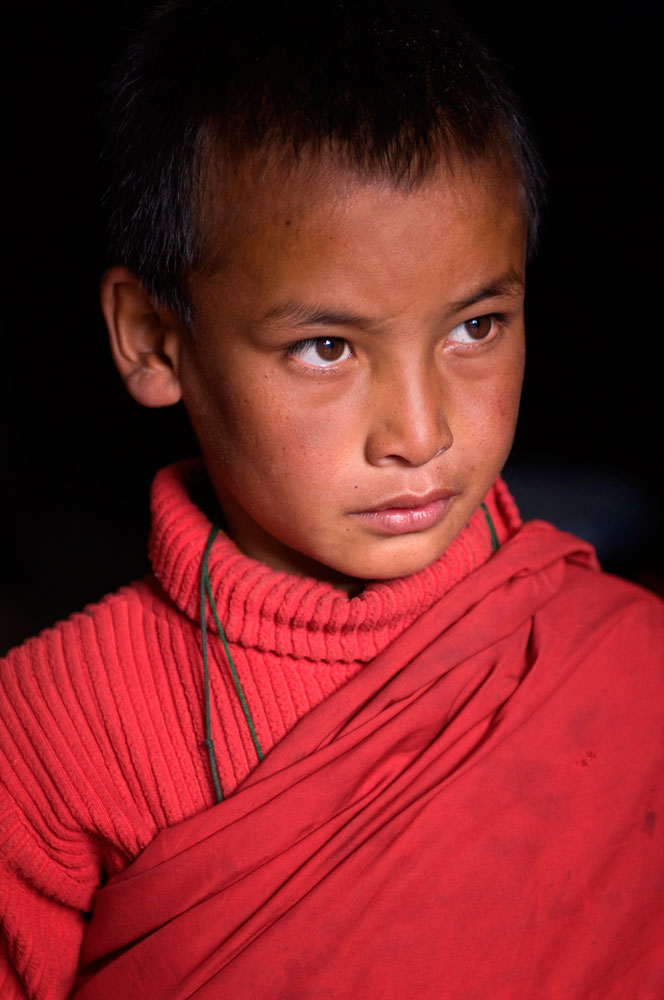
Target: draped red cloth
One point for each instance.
(476, 814)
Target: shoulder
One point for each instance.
(611, 605)
(73, 704)
(583, 589)
(611, 633)
(585, 620)
(71, 692)
(84, 637)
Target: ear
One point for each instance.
(145, 339)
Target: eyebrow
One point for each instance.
(297, 312)
(510, 284)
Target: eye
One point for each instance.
(473, 330)
(321, 352)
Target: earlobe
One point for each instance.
(145, 339)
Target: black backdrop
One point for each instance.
(78, 455)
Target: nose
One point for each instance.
(407, 422)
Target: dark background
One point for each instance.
(78, 455)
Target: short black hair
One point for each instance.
(389, 86)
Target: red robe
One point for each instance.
(477, 813)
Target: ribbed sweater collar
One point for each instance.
(272, 611)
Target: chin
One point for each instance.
(392, 566)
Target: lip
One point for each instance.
(407, 512)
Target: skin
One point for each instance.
(360, 342)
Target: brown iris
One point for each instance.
(480, 327)
(330, 348)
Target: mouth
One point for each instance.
(407, 512)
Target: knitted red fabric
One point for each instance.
(101, 727)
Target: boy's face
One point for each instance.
(355, 373)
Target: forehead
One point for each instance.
(317, 227)
(268, 184)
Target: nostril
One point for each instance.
(411, 449)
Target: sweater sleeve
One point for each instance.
(51, 856)
(40, 943)
(10, 985)
(43, 899)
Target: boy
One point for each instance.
(432, 734)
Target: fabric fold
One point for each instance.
(427, 815)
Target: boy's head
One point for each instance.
(321, 215)
(388, 88)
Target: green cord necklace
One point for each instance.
(206, 593)
(495, 544)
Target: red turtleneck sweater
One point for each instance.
(102, 721)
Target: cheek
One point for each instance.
(504, 389)
(309, 418)
(501, 403)
(288, 438)
(485, 411)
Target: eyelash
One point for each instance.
(299, 348)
